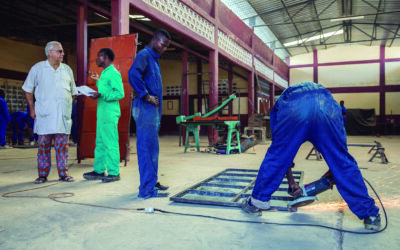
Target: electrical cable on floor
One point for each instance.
(56, 196)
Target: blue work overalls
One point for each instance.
(308, 112)
(145, 78)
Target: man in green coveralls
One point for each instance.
(110, 91)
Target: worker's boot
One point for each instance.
(92, 176)
(110, 178)
(161, 187)
(373, 222)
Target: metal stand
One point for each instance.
(380, 153)
(317, 154)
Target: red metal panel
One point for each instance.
(124, 48)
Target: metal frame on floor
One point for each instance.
(207, 191)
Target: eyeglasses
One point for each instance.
(59, 51)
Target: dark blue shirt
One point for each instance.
(145, 74)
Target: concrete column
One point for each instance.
(271, 96)
(185, 88)
(119, 17)
(82, 47)
(213, 94)
(382, 94)
(230, 88)
(199, 85)
(251, 99)
(315, 66)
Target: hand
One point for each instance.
(32, 113)
(152, 99)
(94, 75)
(329, 174)
(94, 95)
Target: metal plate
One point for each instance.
(231, 186)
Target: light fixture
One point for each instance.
(333, 33)
(101, 16)
(139, 17)
(346, 18)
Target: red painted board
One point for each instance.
(124, 48)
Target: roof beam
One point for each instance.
(291, 19)
(335, 43)
(319, 22)
(374, 29)
(327, 19)
(394, 37)
(278, 10)
(370, 4)
(327, 7)
(365, 33)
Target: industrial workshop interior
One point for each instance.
(199, 124)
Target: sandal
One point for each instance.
(66, 179)
(41, 179)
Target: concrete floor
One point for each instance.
(36, 222)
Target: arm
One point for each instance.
(29, 99)
(136, 75)
(28, 87)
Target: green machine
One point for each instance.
(219, 123)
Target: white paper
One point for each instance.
(85, 90)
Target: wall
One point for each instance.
(20, 57)
(16, 59)
(363, 76)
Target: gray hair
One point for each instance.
(50, 46)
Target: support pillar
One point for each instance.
(213, 93)
(230, 88)
(81, 67)
(185, 88)
(315, 66)
(250, 105)
(119, 17)
(199, 85)
(271, 96)
(382, 95)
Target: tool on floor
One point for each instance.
(311, 190)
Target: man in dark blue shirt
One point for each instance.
(145, 78)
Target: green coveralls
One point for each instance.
(106, 154)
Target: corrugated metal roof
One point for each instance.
(368, 22)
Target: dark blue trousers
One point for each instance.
(308, 112)
(147, 120)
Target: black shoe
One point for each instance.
(92, 176)
(110, 178)
(373, 222)
(160, 187)
(250, 208)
